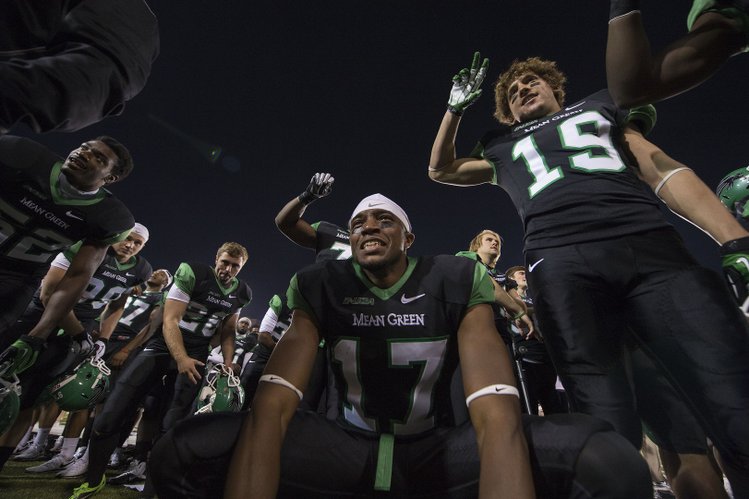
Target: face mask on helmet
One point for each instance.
(10, 402)
(733, 192)
(82, 389)
(221, 393)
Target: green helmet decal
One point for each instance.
(222, 392)
(82, 389)
(733, 192)
(10, 402)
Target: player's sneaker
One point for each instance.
(24, 445)
(735, 261)
(75, 468)
(80, 451)
(57, 463)
(20, 355)
(58, 444)
(86, 490)
(136, 472)
(117, 459)
(33, 452)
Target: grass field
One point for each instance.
(15, 483)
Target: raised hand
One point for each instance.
(466, 85)
(319, 186)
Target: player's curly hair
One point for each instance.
(235, 250)
(543, 68)
(476, 241)
(124, 164)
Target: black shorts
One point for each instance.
(321, 459)
(590, 297)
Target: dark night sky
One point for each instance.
(358, 89)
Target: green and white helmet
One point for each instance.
(733, 192)
(83, 388)
(222, 392)
(10, 402)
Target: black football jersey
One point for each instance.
(109, 281)
(137, 313)
(393, 351)
(210, 303)
(36, 221)
(332, 242)
(567, 177)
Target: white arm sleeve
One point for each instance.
(269, 321)
(177, 294)
(60, 262)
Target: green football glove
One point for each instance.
(735, 262)
(466, 85)
(20, 355)
(643, 117)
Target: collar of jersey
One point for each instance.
(475, 256)
(385, 294)
(127, 265)
(234, 284)
(58, 198)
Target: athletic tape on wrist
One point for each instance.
(665, 179)
(498, 389)
(278, 380)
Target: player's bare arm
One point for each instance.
(228, 332)
(505, 465)
(255, 466)
(289, 220)
(155, 320)
(69, 290)
(636, 75)
(681, 189)
(111, 316)
(174, 310)
(516, 308)
(52, 278)
(444, 167)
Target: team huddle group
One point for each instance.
(381, 374)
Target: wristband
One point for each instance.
(519, 315)
(498, 389)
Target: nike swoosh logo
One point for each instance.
(533, 265)
(232, 296)
(576, 105)
(73, 215)
(405, 300)
(128, 274)
(371, 205)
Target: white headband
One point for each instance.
(380, 202)
(141, 230)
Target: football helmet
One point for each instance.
(84, 387)
(222, 392)
(10, 402)
(733, 192)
